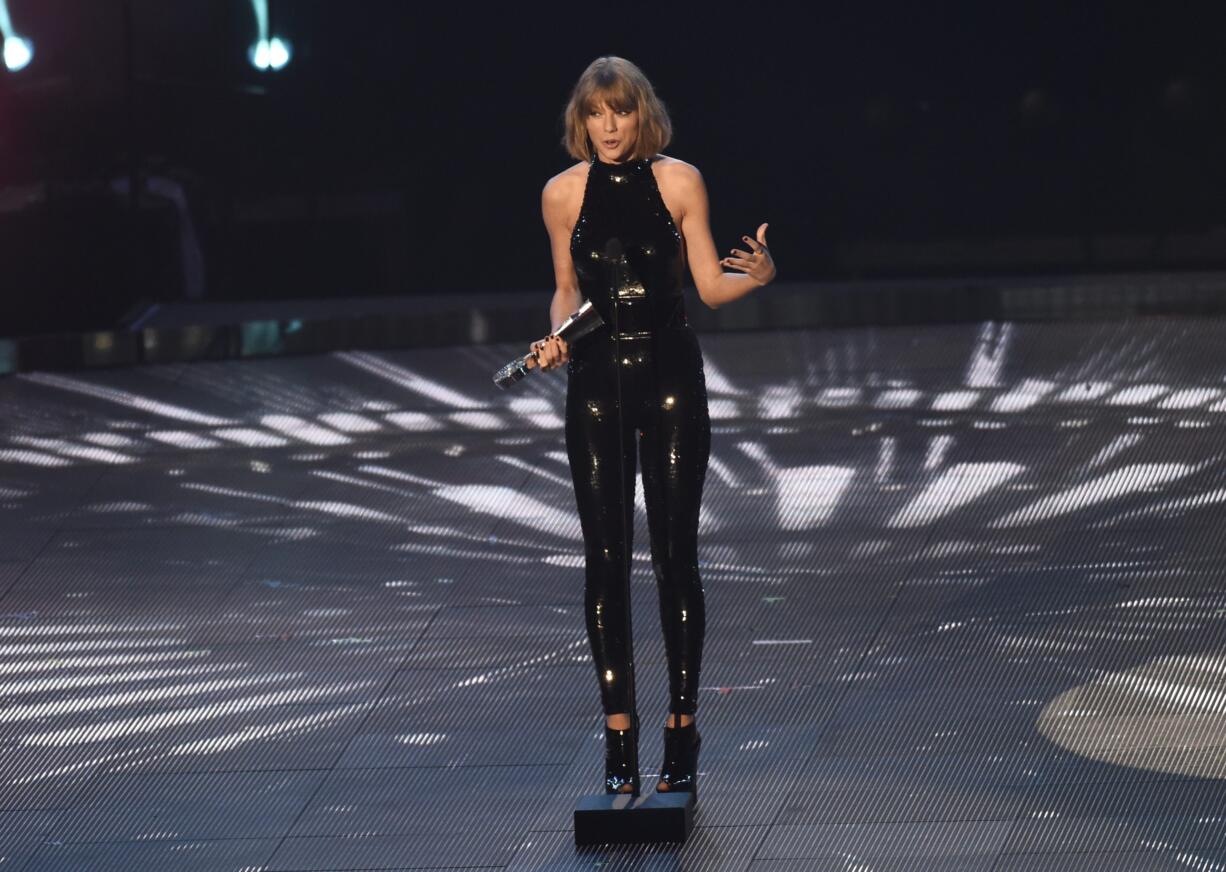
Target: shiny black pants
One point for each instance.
(663, 410)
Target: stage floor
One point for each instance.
(964, 591)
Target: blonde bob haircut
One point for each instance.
(621, 84)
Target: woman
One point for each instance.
(622, 223)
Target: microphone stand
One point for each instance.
(615, 262)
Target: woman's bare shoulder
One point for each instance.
(676, 170)
(675, 165)
(678, 180)
(565, 182)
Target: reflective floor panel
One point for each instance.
(965, 610)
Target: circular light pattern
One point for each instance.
(1167, 715)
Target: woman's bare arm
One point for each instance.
(755, 267)
(555, 202)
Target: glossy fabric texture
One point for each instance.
(638, 381)
(621, 760)
(680, 769)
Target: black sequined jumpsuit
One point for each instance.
(640, 375)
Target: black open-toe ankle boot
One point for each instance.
(679, 774)
(621, 758)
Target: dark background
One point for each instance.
(404, 148)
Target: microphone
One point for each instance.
(578, 325)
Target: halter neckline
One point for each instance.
(633, 163)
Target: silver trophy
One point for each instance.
(572, 329)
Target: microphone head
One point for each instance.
(613, 248)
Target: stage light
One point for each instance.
(18, 52)
(278, 53)
(268, 53)
(271, 54)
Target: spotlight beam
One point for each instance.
(268, 53)
(18, 51)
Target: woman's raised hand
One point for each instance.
(757, 263)
(551, 352)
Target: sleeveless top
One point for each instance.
(627, 250)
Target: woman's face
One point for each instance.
(613, 132)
